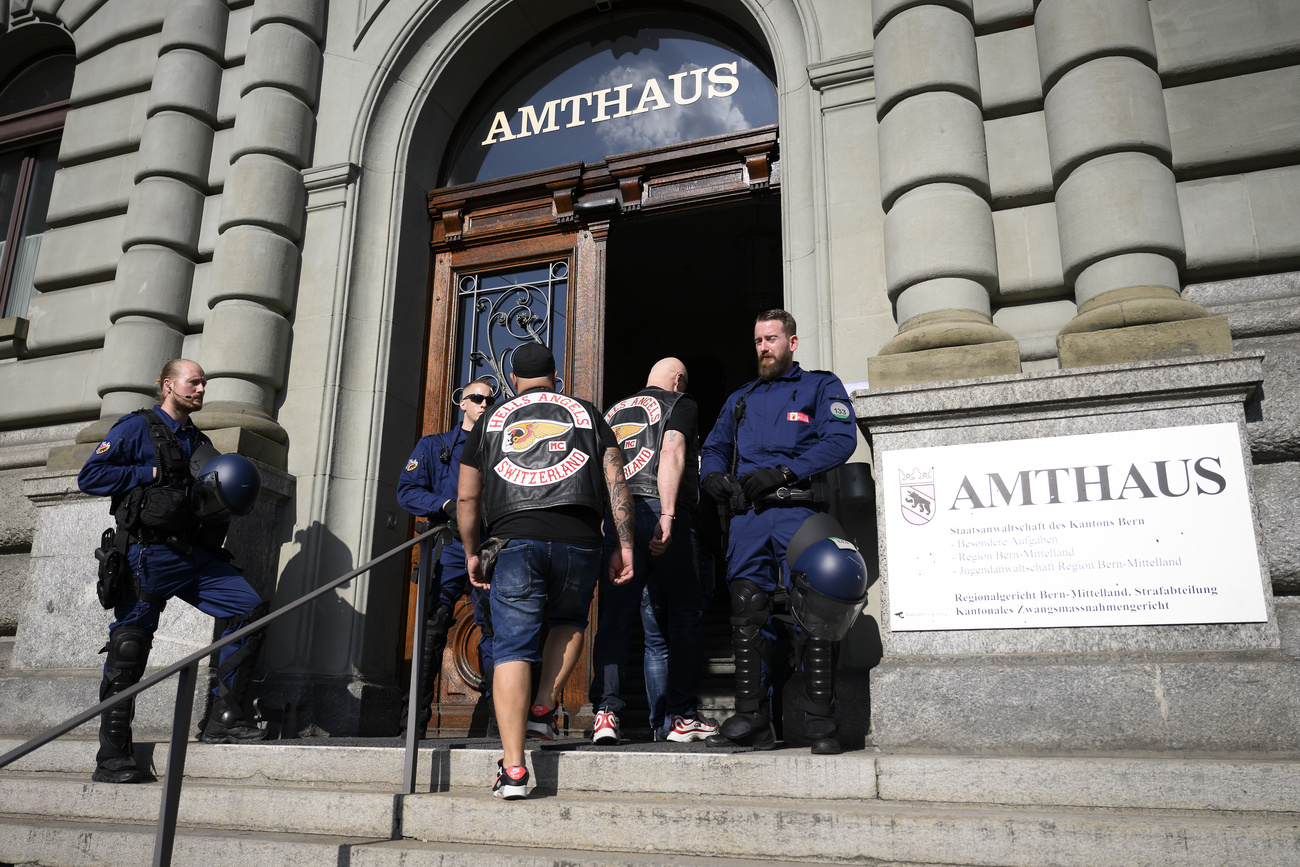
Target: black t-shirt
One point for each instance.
(574, 524)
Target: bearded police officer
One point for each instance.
(145, 466)
(771, 438)
(539, 467)
(656, 428)
(427, 488)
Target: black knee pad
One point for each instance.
(129, 646)
(750, 606)
(440, 619)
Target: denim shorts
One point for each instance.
(538, 581)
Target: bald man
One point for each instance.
(656, 429)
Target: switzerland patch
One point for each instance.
(412, 464)
(797, 416)
(103, 447)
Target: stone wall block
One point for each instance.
(994, 13)
(944, 293)
(273, 121)
(1029, 253)
(264, 191)
(164, 211)
(187, 81)
(925, 48)
(939, 231)
(1105, 106)
(90, 190)
(246, 341)
(1235, 122)
(1008, 67)
(153, 282)
(306, 15)
(932, 138)
(124, 68)
(255, 265)
(1072, 32)
(175, 145)
(69, 319)
(79, 254)
(118, 21)
(197, 24)
(283, 56)
(1123, 203)
(105, 128)
(1020, 170)
(883, 10)
(135, 349)
(1196, 38)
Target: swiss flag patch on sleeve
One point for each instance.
(797, 416)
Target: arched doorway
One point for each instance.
(614, 259)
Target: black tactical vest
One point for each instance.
(639, 423)
(538, 451)
(162, 508)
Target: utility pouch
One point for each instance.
(165, 510)
(111, 586)
(487, 555)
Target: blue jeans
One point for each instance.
(536, 581)
(671, 598)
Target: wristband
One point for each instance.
(669, 517)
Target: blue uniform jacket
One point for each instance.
(426, 482)
(803, 420)
(125, 460)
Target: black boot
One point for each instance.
(128, 651)
(819, 696)
(228, 723)
(750, 726)
(436, 627)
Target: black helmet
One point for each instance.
(226, 484)
(828, 578)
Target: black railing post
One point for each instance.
(413, 700)
(172, 778)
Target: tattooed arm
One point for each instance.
(620, 508)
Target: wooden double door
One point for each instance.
(613, 266)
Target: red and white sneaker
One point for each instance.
(691, 727)
(605, 730)
(512, 783)
(541, 723)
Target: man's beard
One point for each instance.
(773, 366)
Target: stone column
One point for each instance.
(255, 262)
(940, 258)
(152, 286)
(1117, 212)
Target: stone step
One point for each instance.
(81, 844)
(1117, 782)
(864, 831)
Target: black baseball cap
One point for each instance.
(533, 360)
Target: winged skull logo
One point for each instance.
(522, 436)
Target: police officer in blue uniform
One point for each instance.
(427, 488)
(772, 436)
(144, 464)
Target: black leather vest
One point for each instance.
(538, 451)
(639, 423)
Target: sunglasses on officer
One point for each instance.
(478, 398)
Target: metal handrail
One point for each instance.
(188, 669)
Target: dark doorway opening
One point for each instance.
(689, 284)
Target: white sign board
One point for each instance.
(1111, 529)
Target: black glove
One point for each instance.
(755, 483)
(720, 486)
(448, 512)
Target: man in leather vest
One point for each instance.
(656, 428)
(427, 488)
(171, 553)
(772, 436)
(536, 470)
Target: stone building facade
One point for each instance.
(958, 190)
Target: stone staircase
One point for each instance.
(334, 802)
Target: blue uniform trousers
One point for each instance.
(756, 552)
(450, 581)
(200, 578)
